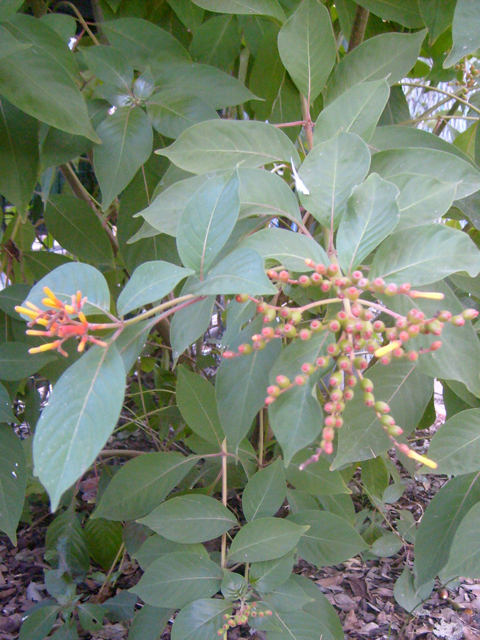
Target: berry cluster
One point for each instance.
(358, 337)
(241, 617)
(58, 322)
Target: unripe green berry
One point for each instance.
(444, 316)
(332, 270)
(289, 331)
(283, 382)
(245, 349)
(308, 368)
(296, 317)
(284, 276)
(348, 394)
(381, 407)
(241, 298)
(300, 381)
(350, 381)
(435, 327)
(340, 406)
(333, 349)
(316, 278)
(379, 326)
(323, 361)
(268, 333)
(343, 363)
(326, 286)
(274, 390)
(316, 326)
(330, 407)
(304, 281)
(336, 379)
(329, 421)
(394, 430)
(378, 285)
(360, 363)
(386, 359)
(391, 289)
(334, 326)
(470, 314)
(366, 384)
(338, 422)
(412, 356)
(305, 334)
(336, 395)
(368, 399)
(387, 421)
(269, 315)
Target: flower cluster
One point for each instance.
(241, 617)
(358, 336)
(58, 322)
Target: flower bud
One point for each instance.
(360, 363)
(378, 285)
(228, 355)
(316, 278)
(289, 331)
(435, 345)
(333, 349)
(328, 434)
(387, 421)
(343, 363)
(435, 327)
(272, 274)
(363, 283)
(296, 317)
(269, 315)
(394, 430)
(404, 288)
(338, 422)
(323, 361)
(316, 326)
(350, 381)
(328, 448)
(332, 270)
(336, 379)
(379, 326)
(340, 406)
(326, 286)
(356, 276)
(273, 390)
(348, 394)
(305, 334)
(310, 263)
(329, 421)
(300, 380)
(304, 281)
(268, 333)
(284, 276)
(330, 407)
(444, 316)
(320, 268)
(336, 395)
(391, 289)
(334, 326)
(412, 356)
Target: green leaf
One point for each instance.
(176, 579)
(265, 539)
(372, 214)
(263, 193)
(356, 111)
(200, 620)
(339, 504)
(464, 559)
(188, 13)
(77, 229)
(298, 352)
(37, 81)
(151, 281)
(434, 251)
(407, 595)
(455, 447)
(91, 616)
(127, 141)
(306, 44)
(440, 523)
(69, 278)
(9, 8)
(120, 607)
(18, 155)
(406, 13)
(156, 546)
(213, 86)
(13, 479)
(268, 575)
(300, 501)
(217, 42)
(189, 324)
(6, 413)
(241, 384)
(330, 172)
(327, 619)
(142, 484)
(387, 546)
(317, 478)
(16, 363)
(172, 112)
(207, 221)
(437, 16)
(82, 412)
(143, 43)
(198, 406)
(149, 623)
(37, 624)
(288, 597)
(9, 44)
(286, 247)
(66, 537)
(390, 56)
(460, 352)
(466, 38)
(109, 65)
(241, 271)
(104, 539)
(234, 586)
(242, 7)
(429, 180)
(404, 389)
(294, 625)
(265, 492)
(223, 144)
(190, 518)
(63, 24)
(296, 419)
(329, 539)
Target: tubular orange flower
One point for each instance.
(430, 295)
(45, 347)
(27, 312)
(49, 293)
(387, 348)
(426, 461)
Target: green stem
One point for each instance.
(358, 28)
(427, 87)
(260, 439)
(80, 18)
(224, 501)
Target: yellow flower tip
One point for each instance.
(79, 298)
(32, 306)
(69, 309)
(27, 312)
(49, 303)
(387, 348)
(82, 318)
(45, 347)
(426, 461)
(42, 321)
(34, 332)
(81, 346)
(429, 295)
